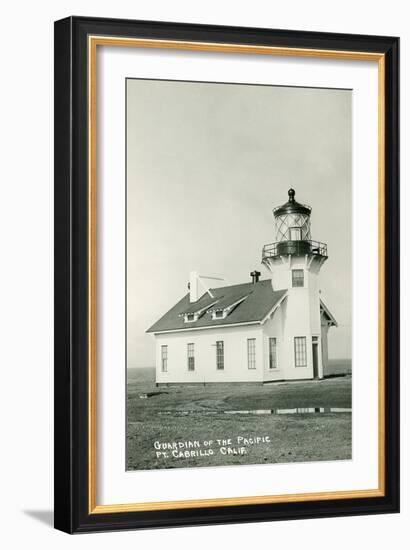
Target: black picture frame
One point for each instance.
(71, 492)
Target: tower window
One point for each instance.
(191, 357)
(300, 351)
(297, 277)
(273, 360)
(220, 355)
(164, 358)
(251, 353)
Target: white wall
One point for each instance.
(235, 355)
(301, 312)
(274, 328)
(26, 274)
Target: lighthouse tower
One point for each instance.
(294, 261)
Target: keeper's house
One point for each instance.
(259, 331)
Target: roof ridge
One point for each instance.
(240, 284)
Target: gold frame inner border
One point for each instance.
(93, 43)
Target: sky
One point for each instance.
(206, 163)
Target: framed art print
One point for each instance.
(226, 274)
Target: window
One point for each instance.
(300, 351)
(191, 317)
(220, 355)
(191, 357)
(295, 233)
(251, 353)
(297, 277)
(273, 360)
(164, 358)
(219, 314)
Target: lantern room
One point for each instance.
(292, 220)
(292, 231)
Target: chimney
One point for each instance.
(193, 287)
(255, 276)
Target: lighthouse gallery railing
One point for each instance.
(283, 248)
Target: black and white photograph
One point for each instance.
(238, 274)
(204, 303)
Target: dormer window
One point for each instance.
(219, 314)
(224, 307)
(193, 316)
(190, 317)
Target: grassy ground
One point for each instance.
(196, 414)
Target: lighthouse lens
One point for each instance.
(292, 227)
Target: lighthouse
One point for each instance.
(257, 331)
(294, 261)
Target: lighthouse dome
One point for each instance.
(292, 206)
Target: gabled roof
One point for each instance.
(257, 301)
(325, 310)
